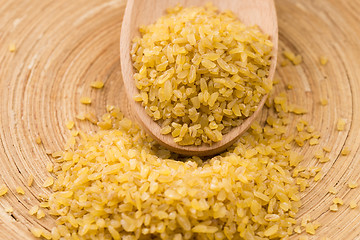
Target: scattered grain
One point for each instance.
(3, 189)
(295, 59)
(309, 228)
(305, 220)
(49, 167)
(352, 184)
(318, 176)
(40, 214)
(48, 182)
(81, 116)
(334, 208)
(97, 84)
(324, 159)
(36, 231)
(324, 101)
(70, 125)
(319, 154)
(20, 190)
(12, 47)
(353, 204)
(297, 229)
(340, 126)
(345, 151)
(85, 100)
(338, 200)
(104, 166)
(314, 141)
(34, 209)
(323, 60)
(30, 180)
(316, 225)
(38, 140)
(327, 149)
(333, 190)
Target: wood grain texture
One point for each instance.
(250, 12)
(62, 46)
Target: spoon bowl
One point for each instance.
(144, 12)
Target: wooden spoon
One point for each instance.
(144, 12)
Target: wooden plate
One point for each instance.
(62, 46)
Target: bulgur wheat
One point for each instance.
(200, 72)
(116, 183)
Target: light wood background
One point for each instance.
(64, 45)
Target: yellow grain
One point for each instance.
(327, 149)
(30, 180)
(46, 234)
(97, 84)
(38, 140)
(309, 228)
(295, 59)
(297, 229)
(338, 200)
(324, 159)
(353, 204)
(36, 231)
(40, 214)
(20, 190)
(70, 124)
(80, 116)
(323, 60)
(289, 55)
(34, 209)
(48, 182)
(334, 208)
(319, 153)
(3, 189)
(85, 100)
(44, 204)
(333, 190)
(316, 225)
(305, 220)
(49, 166)
(314, 141)
(340, 126)
(324, 101)
(345, 151)
(318, 176)
(352, 184)
(12, 47)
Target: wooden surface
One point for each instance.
(259, 12)
(64, 45)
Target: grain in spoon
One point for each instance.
(141, 12)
